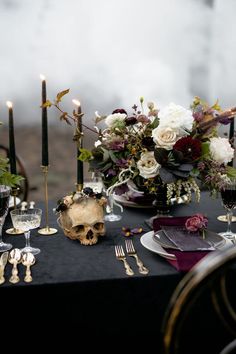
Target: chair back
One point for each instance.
(202, 309)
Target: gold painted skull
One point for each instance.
(83, 219)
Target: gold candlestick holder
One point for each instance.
(13, 230)
(79, 187)
(47, 230)
(225, 219)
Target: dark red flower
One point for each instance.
(148, 143)
(130, 120)
(119, 110)
(190, 148)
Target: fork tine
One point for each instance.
(116, 251)
(127, 245)
(132, 246)
(122, 251)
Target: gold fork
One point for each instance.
(120, 254)
(131, 252)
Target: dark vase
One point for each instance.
(160, 201)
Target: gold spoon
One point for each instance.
(28, 260)
(14, 258)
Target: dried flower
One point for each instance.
(197, 222)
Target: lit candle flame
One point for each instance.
(76, 102)
(9, 104)
(42, 77)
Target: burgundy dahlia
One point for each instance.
(190, 148)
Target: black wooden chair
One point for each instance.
(24, 186)
(201, 316)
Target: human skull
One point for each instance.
(83, 220)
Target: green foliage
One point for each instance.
(85, 155)
(231, 172)
(6, 177)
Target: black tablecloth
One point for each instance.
(87, 285)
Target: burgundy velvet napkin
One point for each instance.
(187, 259)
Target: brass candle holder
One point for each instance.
(225, 219)
(79, 187)
(13, 230)
(47, 230)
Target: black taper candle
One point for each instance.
(44, 126)
(12, 151)
(80, 165)
(231, 137)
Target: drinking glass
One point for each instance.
(4, 205)
(228, 195)
(111, 216)
(27, 220)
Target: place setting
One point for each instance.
(183, 240)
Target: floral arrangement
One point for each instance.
(170, 148)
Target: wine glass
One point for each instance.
(111, 216)
(228, 195)
(27, 220)
(4, 205)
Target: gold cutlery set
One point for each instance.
(120, 255)
(15, 257)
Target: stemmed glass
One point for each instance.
(4, 205)
(111, 216)
(228, 195)
(27, 220)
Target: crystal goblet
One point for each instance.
(27, 220)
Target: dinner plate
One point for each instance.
(214, 239)
(148, 242)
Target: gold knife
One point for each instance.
(3, 262)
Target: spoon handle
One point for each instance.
(2, 278)
(14, 274)
(28, 278)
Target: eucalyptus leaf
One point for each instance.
(113, 157)
(185, 167)
(183, 174)
(167, 176)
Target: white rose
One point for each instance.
(113, 118)
(221, 150)
(164, 137)
(177, 118)
(97, 143)
(147, 165)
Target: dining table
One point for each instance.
(87, 287)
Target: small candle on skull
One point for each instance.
(80, 167)
(44, 124)
(12, 152)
